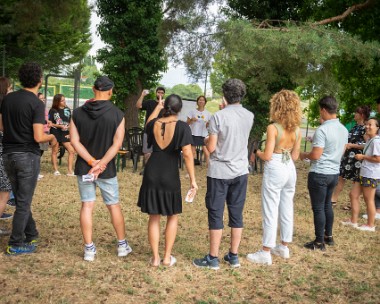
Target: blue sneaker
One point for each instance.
(6, 216)
(206, 262)
(233, 260)
(16, 250)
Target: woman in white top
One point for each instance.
(370, 171)
(279, 179)
(198, 121)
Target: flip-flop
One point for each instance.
(173, 260)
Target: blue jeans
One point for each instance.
(22, 170)
(321, 188)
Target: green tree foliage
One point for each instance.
(133, 55)
(53, 33)
(190, 91)
(89, 70)
(269, 51)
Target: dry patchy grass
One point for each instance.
(346, 273)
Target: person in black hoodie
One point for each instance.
(96, 133)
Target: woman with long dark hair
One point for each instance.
(160, 192)
(5, 185)
(60, 116)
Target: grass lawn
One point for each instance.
(348, 272)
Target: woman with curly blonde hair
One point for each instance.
(279, 179)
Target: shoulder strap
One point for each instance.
(280, 130)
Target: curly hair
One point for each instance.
(285, 109)
(30, 74)
(56, 100)
(234, 90)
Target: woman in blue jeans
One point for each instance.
(279, 180)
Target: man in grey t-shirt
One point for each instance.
(227, 173)
(328, 146)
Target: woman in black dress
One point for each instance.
(160, 192)
(349, 166)
(60, 116)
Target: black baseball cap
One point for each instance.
(103, 83)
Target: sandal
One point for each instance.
(346, 208)
(173, 260)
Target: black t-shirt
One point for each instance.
(60, 117)
(97, 122)
(149, 106)
(20, 110)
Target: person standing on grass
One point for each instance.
(377, 194)
(198, 122)
(97, 133)
(149, 106)
(60, 116)
(369, 173)
(22, 120)
(227, 173)
(282, 148)
(327, 149)
(160, 192)
(5, 185)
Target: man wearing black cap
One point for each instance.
(97, 132)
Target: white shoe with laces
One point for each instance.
(349, 223)
(377, 216)
(366, 228)
(260, 257)
(124, 250)
(281, 250)
(56, 173)
(89, 254)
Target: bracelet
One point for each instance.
(91, 161)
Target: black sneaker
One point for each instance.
(329, 240)
(233, 260)
(315, 246)
(6, 216)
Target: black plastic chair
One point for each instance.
(135, 144)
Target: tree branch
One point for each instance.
(351, 9)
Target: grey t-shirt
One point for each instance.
(369, 169)
(331, 136)
(232, 125)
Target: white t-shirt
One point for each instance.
(198, 128)
(369, 169)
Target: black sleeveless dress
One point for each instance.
(160, 192)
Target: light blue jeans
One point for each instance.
(277, 193)
(109, 189)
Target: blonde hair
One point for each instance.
(285, 109)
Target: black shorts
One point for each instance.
(233, 191)
(198, 141)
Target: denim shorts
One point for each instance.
(109, 189)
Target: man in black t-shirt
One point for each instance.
(97, 133)
(149, 106)
(22, 119)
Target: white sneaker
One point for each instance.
(281, 250)
(260, 257)
(123, 251)
(349, 223)
(89, 255)
(377, 216)
(366, 228)
(56, 173)
(40, 176)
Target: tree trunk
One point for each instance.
(131, 114)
